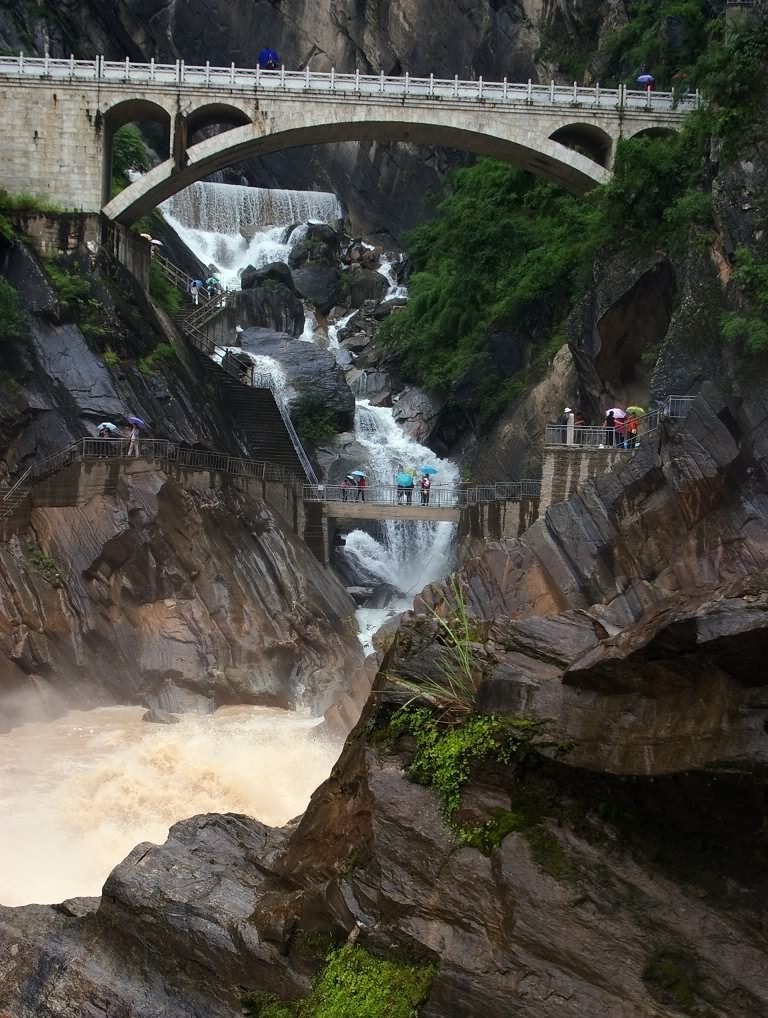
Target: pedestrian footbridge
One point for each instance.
(60, 117)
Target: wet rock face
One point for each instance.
(179, 592)
(308, 369)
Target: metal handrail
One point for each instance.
(439, 496)
(600, 437)
(375, 87)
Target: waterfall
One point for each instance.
(230, 226)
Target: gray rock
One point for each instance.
(275, 272)
(361, 284)
(319, 285)
(160, 717)
(417, 412)
(314, 245)
(308, 369)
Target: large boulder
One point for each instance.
(361, 284)
(319, 284)
(273, 273)
(308, 370)
(269, 305)
(314, 244)
(417, 412)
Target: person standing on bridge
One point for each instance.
(133, 445)
(361, 486)
(426, 484)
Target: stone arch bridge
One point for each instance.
(61, 115)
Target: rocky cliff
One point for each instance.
(610, 861)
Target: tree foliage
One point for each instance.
(12, 324)
(129, 152)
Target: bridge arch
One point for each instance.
(267, 134)
(650, 132)
(215, 114)
(589, 139)
(127, 111)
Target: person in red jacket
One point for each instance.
(426, 484)
(361, 485)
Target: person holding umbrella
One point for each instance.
(105, 431)
(136, 424)
(647, 81)
(611, 417)
(361, 481)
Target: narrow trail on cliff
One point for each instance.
(77, 794)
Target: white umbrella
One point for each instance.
(616, 411)
(159, 243)
(146, 236)
(108, 425)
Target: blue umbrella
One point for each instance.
(357, 473)
(404, 480)
(429, 470)
(645, 79)
(137, 421)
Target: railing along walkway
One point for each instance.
(440, 495)
(331, 85)
(193, 320)
(589, 438)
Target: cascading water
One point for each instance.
(408, 554)
(411, 553)
(209, 219)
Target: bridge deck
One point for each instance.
(372, 511)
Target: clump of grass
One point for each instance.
(162, 354)
(353, 984)
(44, 564)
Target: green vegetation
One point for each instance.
(751, 329)
(12, 323)
(20, 203)
(110, 358)
(129, 152)
(673, 977)
(315, 422)
(353, 984)
(163, 291)
(44, 564)
(76, 300)
(152, 363)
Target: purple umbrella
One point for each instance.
(137, 421)
(646, 79)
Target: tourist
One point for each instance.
(610, 426)
(194, 290)
(630, 431)
(133, 445)
(425, 486)
(361, 484)
(579, 423)
(346, 484)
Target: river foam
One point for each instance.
(78, 793)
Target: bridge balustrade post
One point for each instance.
(648, 98)
(181, 72)
(697, 100)
(529, 97)
(152, 69)
(456, 86)
(597, 94)
(622, 96)
(357, 79)
(71, 65)
(381, 82)
(207, 72)
(333, 79)
(258, 75)
(306, 76)
(431, 84)
(127, 69)
(99, 67)
(178, 72)
(45, 64)
(282, 75)
(505, 90)
(552, 92)
(480, 87)
(407, 82)
(575, 92)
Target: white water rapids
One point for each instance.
(78, 793)
(404, 555)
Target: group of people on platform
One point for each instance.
(353, 488)
(620, 427)
(207, 290)
(113, 440)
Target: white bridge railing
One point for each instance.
(600, 437)
(439, 495)
(372, 86)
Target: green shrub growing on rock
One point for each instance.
(353, 984)
(12, 325)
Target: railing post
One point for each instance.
(152, 69)
(480, 87)
(258, 75)
(648, 98)
(71, 65)
(455, 86)
(282, 75)
(530, 91)
(45, 64)
(552, 91)
(178, 72)
(622, 96)
(697, 101)
(333, 79)
(597, 94)
(207, 72)
(181, 71)
(505, 90)
(306, 76)
(127, 68)
(575, 92)
(407, 82)
(431, 84)
(357, 79)
(381, 81)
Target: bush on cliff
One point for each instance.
(12, 323)
(353, 984)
